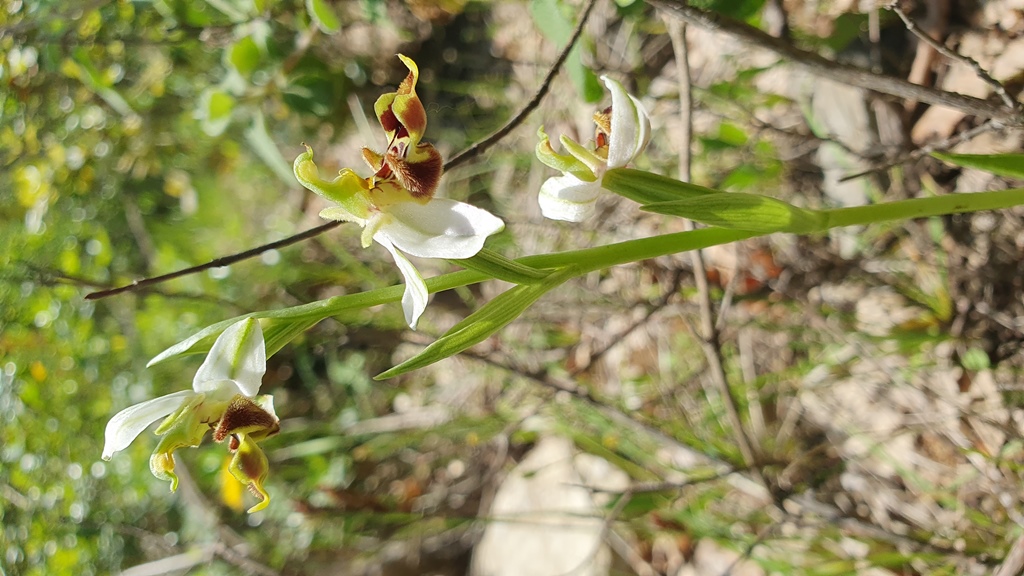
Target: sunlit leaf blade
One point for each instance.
(497, 266)
(1008, 165)
(740, 211)
(323, 15)
(479, 325)
(647, 188)
(285, 323)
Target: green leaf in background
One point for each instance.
(265, 147)
(1008, 165)
(245, 56)
(741, 211)
(322, 13)
(738, 9)
(975, 359)
(312, 93)
(215, 107)
(556, 27)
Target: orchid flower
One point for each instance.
(223, 399)
(623, 131)
(396, 205)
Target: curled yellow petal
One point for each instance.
(250, 467)
(401, 114)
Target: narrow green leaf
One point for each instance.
(1008, 165)
(312, 313)
(322, 13)
(741, 211)
(265, 147)
(647, 188)
(497, 266)
(479, 325)
(556, 27)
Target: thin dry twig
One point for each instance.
(966, 135)
(708, 335)
(464, 156)
(914, 29)
(216, 263)
(839, 72)
(479, 147)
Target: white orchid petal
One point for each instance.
(127, 424)
(644, 120)
(628, 121)
(239, 357)
(441, 228)
(414, 300)
(568, 198)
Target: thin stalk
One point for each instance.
(923, 207)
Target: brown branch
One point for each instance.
(957, 57)
(479, 147)
(217, 263)
(837, 71)
(923, 151)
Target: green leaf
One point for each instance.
(975, 359)
(1008, 165)
(497, 266)
(245, 56)
(741, 211)
(276, 330)
(322, 13)
(556, 27)
(265, 147)
(215, 107)
(648, 188)
(480, 325)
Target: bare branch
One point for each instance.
(957, 57)
(839, 72)
(479, 147)
(217, 263)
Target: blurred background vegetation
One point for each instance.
(140, 137)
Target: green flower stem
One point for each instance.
(286, 323)
(495, 265)
(923, 207)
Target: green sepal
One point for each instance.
(347, 190)
(648, 188)
(592, 161)
(566, 163)
(481, 324)
(497, 266)
(182, 429)
(741, 211)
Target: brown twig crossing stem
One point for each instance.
(837, 71)
(217, 263)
